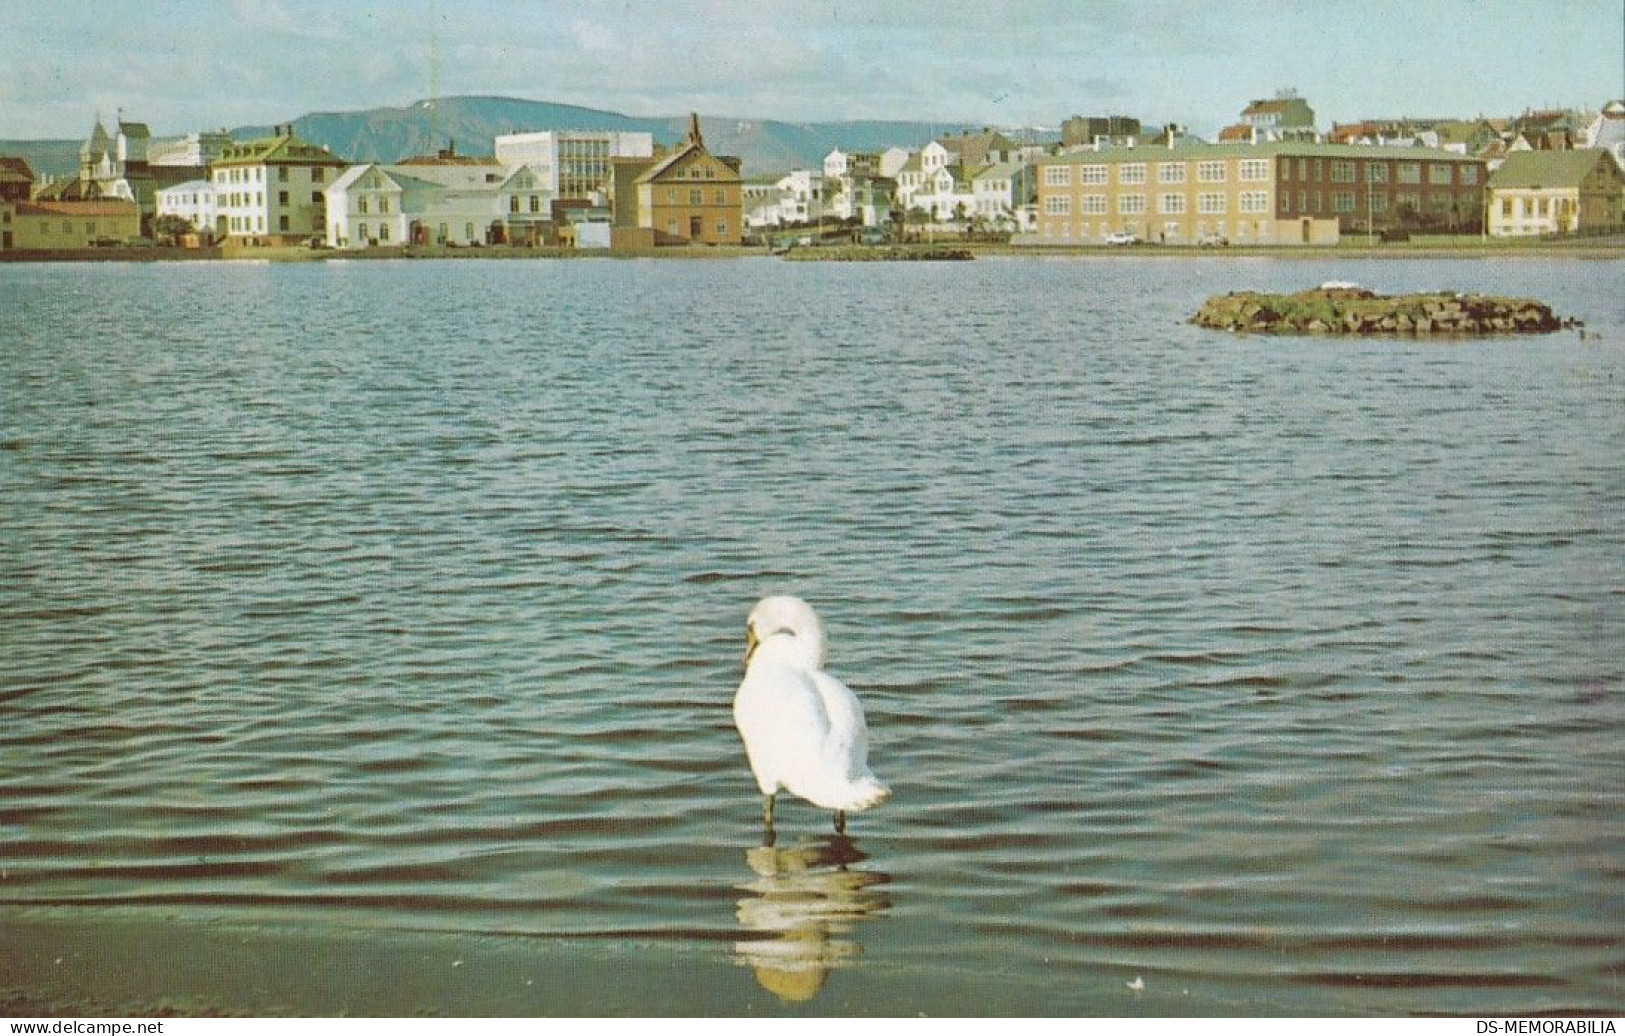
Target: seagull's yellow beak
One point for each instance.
(750, 643)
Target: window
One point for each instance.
(1171, 204)
(1376, 172)
(383, 204)
(1342, 201)
(383, 231)
(1469, 175)
(513, 203)
(722, 228)
(696, 196)
(1379, 202)
(1254, 169)
(1057, 205)
(1092, 204)
(90, 228)
(1303, 201)
(1439, 173)
(1130, 204)
(444, 233)
(1210, 172)
(1254, 201)
(1303, 169)
(535, 203)
(316, 174)
(67, 228)
(468, 231)
(282, 173)
(1408, 172)
(1171, 172)
(282, 197)
(722, 196)
(1210, 203)
(1092, 174)
(1131, 172)
(282, 223)
(315, 197)
(671, 197)
(1057, 176)
(1342, 172)
(361, 232)
(361, 205)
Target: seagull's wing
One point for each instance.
(782, 719)
(846, 744)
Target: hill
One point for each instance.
(390, 134)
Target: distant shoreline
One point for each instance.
(1612, 248)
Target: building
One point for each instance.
(193, 201)
(116, 166)
(1003, 195)
(1278, 193)
(1607, 130)
(16, 184)
(1099, 131)
(269, 191)
(976, 150)
(1556, 192)
(451, 204)
(58, 225)
(192, 151)
(573, 163)
(1285, 112)
(691, 196)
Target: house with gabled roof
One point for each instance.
(690, 196)
(269, 191)
(450, 204)
(1556, 192)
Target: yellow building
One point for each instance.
(55, 225)
(1282, 193)
(1557, 192)
(692, 196)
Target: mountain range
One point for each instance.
(766, 146)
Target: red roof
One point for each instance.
(16, 167)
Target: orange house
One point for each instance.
(692, 196)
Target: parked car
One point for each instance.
(1213, 241)
(1122, 237)
(874, 236)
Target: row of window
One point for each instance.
(1248, 170)
(1170, 231)
(1439, 174)
(696, 196)
(1257, 170)
(1514, 208)
(1169, 204)
(256, 174)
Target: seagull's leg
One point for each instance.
(767, 820)
(840, 822)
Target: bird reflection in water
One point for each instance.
(803, 906)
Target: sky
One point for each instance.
(186, 65)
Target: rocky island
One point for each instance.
(1347, 309)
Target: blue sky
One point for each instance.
(183, 65)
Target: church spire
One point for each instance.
(694, 137)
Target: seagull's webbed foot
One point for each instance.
(768, 835)
(840, 822)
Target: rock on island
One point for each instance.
(1346, 309)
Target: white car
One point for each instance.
(1122, 237)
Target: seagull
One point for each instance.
(803, 729)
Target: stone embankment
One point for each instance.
(1348, 310)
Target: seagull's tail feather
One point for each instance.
(865, 793)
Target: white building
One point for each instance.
(1003, 193)
(458, 205)
(194, 149)
(573, 163)
(270, 191)
(193, 201)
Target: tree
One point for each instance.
(170, 227)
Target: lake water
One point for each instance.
(407, 599)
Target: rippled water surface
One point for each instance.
(1280, 675)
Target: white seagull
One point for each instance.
(803, 729)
